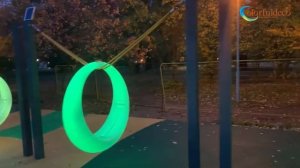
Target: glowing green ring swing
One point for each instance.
(5, 100)
(74, 123)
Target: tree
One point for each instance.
(92, 29)
(271, 38)
(99, 29)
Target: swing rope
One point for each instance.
(61, 47)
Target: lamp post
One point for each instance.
(237, 75)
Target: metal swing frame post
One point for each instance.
(28, 89)
(33, 87)
(192, 83)
(225, 82)
(22, 90)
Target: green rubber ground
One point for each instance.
(164, 145)
(51, 122)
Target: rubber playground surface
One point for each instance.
(151, 143)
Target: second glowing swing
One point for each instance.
(74, 123)
(5, 100)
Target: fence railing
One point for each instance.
(251, 71)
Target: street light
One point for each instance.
(237, 75)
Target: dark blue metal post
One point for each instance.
(33, 87)
(23, 103)
(192, 83)
(225, 77)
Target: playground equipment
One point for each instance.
(73, 118)
(192, 82)
(29, 100)
(5, 100)
(115, 125)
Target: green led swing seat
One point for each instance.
(74, 123)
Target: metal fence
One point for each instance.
(97, 93)
(267, 89)
(64, 73)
